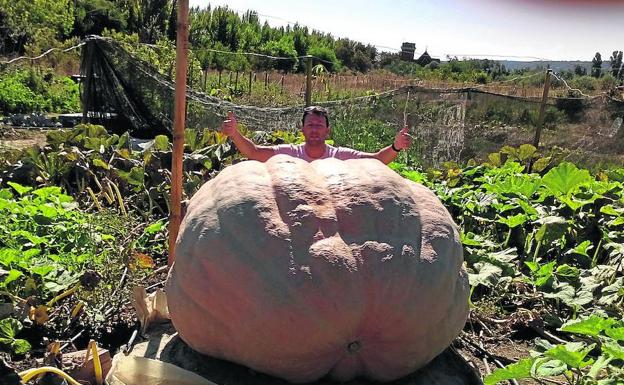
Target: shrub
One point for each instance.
(25, 91)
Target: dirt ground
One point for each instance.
(20, 138)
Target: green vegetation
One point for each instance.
(28, 90)
(548, 243)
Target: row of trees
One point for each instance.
(32, 26)
(617, 67)
(222, 29)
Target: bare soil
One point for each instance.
(20, 138)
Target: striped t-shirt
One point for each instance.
(298, 151)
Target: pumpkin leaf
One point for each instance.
(161, 143)
(572, 354)
(600, 364)
(9, 329)
(513, 221)
(526, 151)
(591, 326)
(565, 179)
(616, 333)
(485, 274)
(541, 164)
(582, 248)
(495, 159)
(546, 367)
(519, 370)
(552, 228)
(613, 349)
(21, 190)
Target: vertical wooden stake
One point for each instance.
(250, 79)
(179, 115)
(542, 110)
(308, 90)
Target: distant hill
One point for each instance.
(556, 66)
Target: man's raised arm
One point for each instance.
(246, 147)
(402, 140)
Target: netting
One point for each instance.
(447, 124)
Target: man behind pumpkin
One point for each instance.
(316, 129)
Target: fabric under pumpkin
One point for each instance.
(301, 270)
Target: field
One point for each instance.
(543, 248)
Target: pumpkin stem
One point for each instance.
(354, 346)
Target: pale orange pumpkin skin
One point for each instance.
(302, 270)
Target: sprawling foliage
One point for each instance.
(23, 91)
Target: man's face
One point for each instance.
(315, 129)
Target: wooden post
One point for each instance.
(282, 84)
(220, 72)
(250, 79)
(266, 80)
(179, 114)
(86, 87)
(542, 110)
(236, 82)
(308, 89)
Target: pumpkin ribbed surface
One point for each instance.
(301, 270)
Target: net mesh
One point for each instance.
(447, 124)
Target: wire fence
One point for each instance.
(329, 85)
(451, 121)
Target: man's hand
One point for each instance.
(229, 125)
(403, 139)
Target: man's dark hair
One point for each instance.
(316, 110)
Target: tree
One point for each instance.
(93, 16)
(616, 65)
(40, 23)
(327, 55)
(285, 48)
(597, 65)
(579, 70)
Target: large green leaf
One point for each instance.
(571, 296)
(547, 367)
(616, 333)
(613, 349)
(552, 228)
(542, 273)
(541, 164)
(517, 184)
(526, 151)
(519, 370)
(21, 190)
(582, 248)
(572, 354)
(484, 274)
(161, 143)
(565, 179)
(591, 326)
(9, 327)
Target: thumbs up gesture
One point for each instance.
(229, 125)
(403, 139)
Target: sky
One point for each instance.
(513, 29)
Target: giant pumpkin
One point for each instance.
(301, 270)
